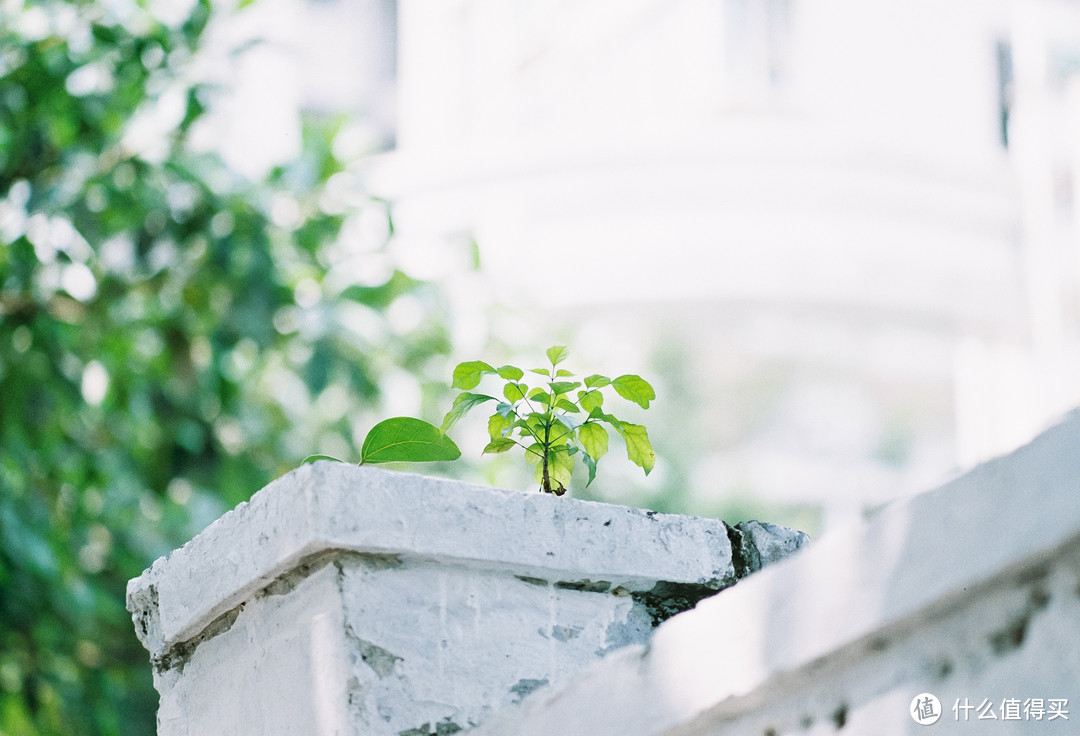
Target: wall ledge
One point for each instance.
(355, 599)
(968, 589)
(327, 506)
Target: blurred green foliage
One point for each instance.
(172, 337)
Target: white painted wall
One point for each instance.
(349, 600)
(342, 600)
(970, 592)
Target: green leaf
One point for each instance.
(313, 458)
(467, 375)
(541, 371)
(563, 468)
(534, 453)
(540, 396)
(597, 381)
(533, 423)
(515, 392)
(534, 419)
(563, 387)
(594, 438)
(498, 445)
(567, 421)
(590, 463)
(462, 404)
(404, 439)
(598, 413)
(562, 372)
(382, 296)
(557, 354)
(638, 447)
(590, 400)
(634, 388)
(499, 425)
(510, 373)
(567, 405)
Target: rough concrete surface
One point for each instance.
(349, 600)
(970, 592)
(324, 506)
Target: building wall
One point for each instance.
(786, 204)
(816, 193)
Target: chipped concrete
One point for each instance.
(361, 601)
(755, 544)
(378, 659)
(279, 668)
(526, 686)
(970, 592)
(335, 506)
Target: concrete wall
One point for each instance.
(970, 593)
(348, 600)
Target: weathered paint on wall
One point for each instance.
(970, 592)
(347, 600)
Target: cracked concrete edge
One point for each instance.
(327, 506)
(755, 544)
(911, 562)
(177, 654)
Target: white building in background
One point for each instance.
(843, 233)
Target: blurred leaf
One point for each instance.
(315, 458)
(382, 296)
(177, 374)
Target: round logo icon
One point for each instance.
(925, 709)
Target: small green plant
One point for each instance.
(557, 421)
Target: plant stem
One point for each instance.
(546, 482)
(549, 419)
